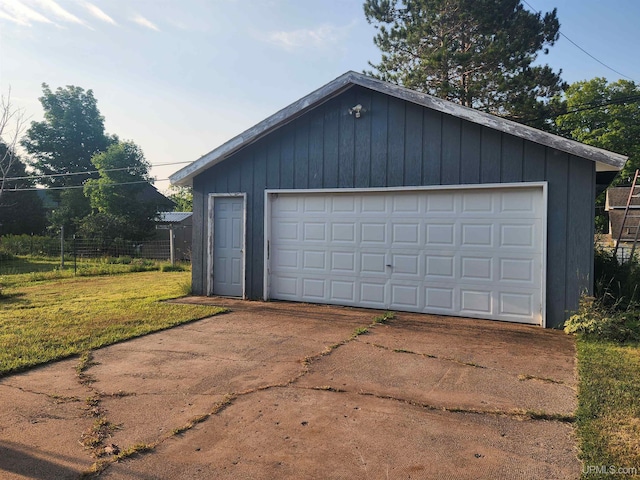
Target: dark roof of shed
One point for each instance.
(150, 194)
(604, 159)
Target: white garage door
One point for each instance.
(465, 252)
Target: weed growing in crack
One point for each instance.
(522, 377)
(558, 417)
(359, 331)
(384, 318)
(328, 388)
(190, 424)
(99, 431)
(137, 449)
(403, 350)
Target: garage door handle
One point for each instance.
(389, 265)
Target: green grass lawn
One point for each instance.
(608, 416)
(41, 321)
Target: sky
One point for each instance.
(181, 77)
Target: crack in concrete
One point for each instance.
(426, 355)
(521, 377)
(516, 413)
(53, 396)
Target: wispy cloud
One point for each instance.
(6, 16)
(19, 13)
(97, 12)
(318, 37)
(140, 20)
(59, 12)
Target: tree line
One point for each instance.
(483, 54)
(96, 184)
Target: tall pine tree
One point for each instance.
(478, 53)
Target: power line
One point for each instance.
(71, 187)
(582, 49)
(88, 172)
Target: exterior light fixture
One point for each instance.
(357, 111)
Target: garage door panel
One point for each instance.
(474, 203)
(476, 268)
(518, 270)
(286, 288)
(373, 233)
(314, 232)
(439, 299)
(343, 232)
(314, 260)
(440, 234)
(477, 235)
(474, 301)
(516, 304)
(406, 234)
(343, 261)
(520, 202)
(315, 204)
(406, 264)
(373, 263)
(284, 258)
(517, 235)
(476, 252)
(404, 297)
(439, 266)
(314, 289)
(409, 203)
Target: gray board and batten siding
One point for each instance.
(397, 143)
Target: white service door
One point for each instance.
(470, 252)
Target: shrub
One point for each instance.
(6, 256)
(31, 245)
(594, 319)
(614, 312)
(616, 285)
(172, 268)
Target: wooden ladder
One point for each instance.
(625, 217)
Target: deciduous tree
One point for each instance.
(115, 196)
(605, 115)
(61, 146)
(21, 211)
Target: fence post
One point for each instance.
(75, 260)
(62, 247)
(172, 250)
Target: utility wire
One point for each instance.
(88, 172)
(582, 49)
(71, 187)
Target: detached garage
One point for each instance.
(367, 194)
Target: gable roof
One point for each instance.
(605, 160)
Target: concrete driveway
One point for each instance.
(284, 390)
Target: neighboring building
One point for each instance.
(368, 194)
(615, 206)
(178, 223)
